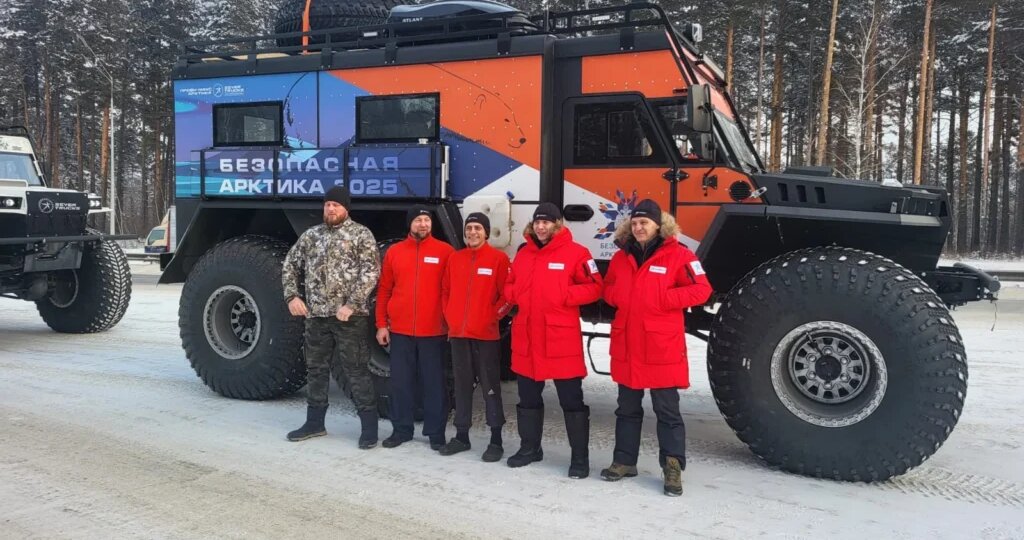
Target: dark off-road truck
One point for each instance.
(831, 349)
(78, 278)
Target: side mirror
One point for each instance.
(699, 110)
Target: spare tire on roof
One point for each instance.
(324, 14)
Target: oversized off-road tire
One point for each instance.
(92, 298)
(324, 14)
(837, 363)
(235, 326)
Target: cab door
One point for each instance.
(613, 156)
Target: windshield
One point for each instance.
(742, 152)
(155, 236)
(18, 167)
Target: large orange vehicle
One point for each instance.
(831, 351)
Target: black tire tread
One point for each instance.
(105, 290)
(282, 370)
(940, 365)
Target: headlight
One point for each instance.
(94, 203)
(10, 202)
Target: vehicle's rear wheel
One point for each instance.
(235, 327)
(837, 363)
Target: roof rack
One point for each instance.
(625, 18)
(387, 35)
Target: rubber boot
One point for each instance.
(577, 428)
(531, 425)
(314, 426)
(368, 433)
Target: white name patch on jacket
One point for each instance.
(431, 260)
(659, 269)
(484, 271)
(556, 266)
(697, 268)
(592, 266)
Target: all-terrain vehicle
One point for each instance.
(831, 351)
(78, 278)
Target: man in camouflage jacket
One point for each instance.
(328, 277)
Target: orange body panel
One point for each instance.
(654, 74)
(494, 102)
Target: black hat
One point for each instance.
(548, 212)
(415, 212)
(648, 209)
(477, 217)
(340, 195)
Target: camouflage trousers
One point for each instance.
(339, 347)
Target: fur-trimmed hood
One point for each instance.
(669, 229)
(528, 230)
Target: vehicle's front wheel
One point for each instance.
(92, 298)
(837, 363)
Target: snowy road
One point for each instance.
(113, 436)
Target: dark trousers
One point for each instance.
(570, 393)
(629, 418)
(338, 346)
(472, 360)
(418, 362)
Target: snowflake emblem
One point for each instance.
(616, 213)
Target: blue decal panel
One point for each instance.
(388, 172)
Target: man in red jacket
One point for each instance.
(471, 293)
(651, 281)
(409, 319)
(551, 277)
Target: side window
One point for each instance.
(407, 118)
(247, 124)
(692, 146)
(614, 133)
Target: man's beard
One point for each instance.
(333, 221)
(421, 235)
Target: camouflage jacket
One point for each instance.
(332, 266)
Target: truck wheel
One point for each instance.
(380, 357)
(235, 327)
(833, 362)
(93, 298)
(324, 14)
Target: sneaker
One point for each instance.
(493, 453)
(453, 447)
(395, 440)
(618, 471)
(673, 477)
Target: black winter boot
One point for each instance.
(531, 425)
(314, 426)
(368, 434)
(577, 428)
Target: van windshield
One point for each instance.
(18, 167)
(155, 236)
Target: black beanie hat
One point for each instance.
(340, 195)
(416, 211)
(477, 217)
(648, 209)
(547, 211)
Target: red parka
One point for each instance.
(648, 344)
(549, 284)
(472, 292)
(409, 292)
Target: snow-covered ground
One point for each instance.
(113, 436)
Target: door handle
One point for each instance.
(675, 175)
(577, 212)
